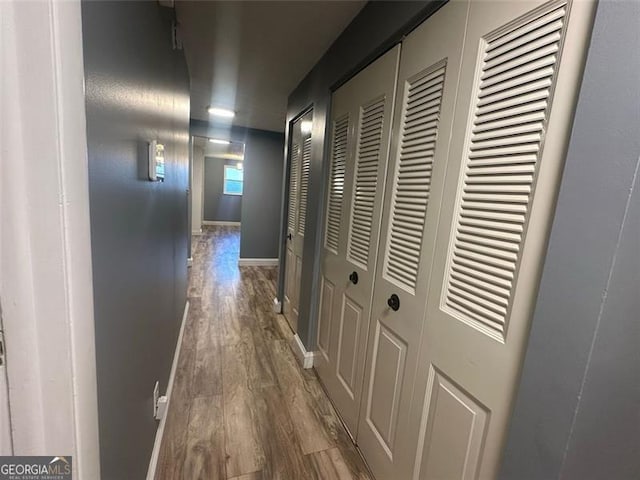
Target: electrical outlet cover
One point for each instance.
(156, 395)
(162, 407)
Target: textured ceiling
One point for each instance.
(249, 56)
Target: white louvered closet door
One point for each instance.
(360, 129)
(427, 85)
(297, 213)
(521, 67)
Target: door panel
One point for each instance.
(289, 279)
(348, 344)
(521, 69)
(452, 431)
(339, 153)
(305, 167)
(297, 213)
(389, 364)
(428, 81)
(412, 181)
(325, 320)
(296, 287)
(365, 183)
(360, 135)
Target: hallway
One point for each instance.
(241, 407)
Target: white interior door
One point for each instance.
(362, 111)
(297, 213)
(427, 86)
(520, 73)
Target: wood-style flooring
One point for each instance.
(242, 408)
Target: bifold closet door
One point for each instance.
(360, 129)
(427, 86)
(520, 75)
(297, 214)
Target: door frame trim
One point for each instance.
(46, 239)
(284, 207)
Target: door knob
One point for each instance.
(289, 236)
(394, 302)
(354, 277)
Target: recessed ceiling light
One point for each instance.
(219, 141)
(221, 112)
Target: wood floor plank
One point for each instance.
(207, 374)
(244, 453)
(284, 458)
(242, 408)
(173, 445)
(332, 425)
(250, 476)
(197, 271)
(308, 426)
(205, 453)
(330, 465)
(256, 357)
(230, 321)
(284, 328)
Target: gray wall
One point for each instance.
(261, 201)
(379, 26)
(137, 89)
(219, 207)
(262, 194)
(577, 415)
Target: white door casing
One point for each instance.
(425, 103)
(45, 249)
(362, 111)
(297, 213)
(521, 68)
(6, 441)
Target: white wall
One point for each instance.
(197, 196)
(45, 254)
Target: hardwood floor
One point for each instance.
(242, 408)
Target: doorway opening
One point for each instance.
(299, 172)
(217, 184)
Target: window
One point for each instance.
(233, 180)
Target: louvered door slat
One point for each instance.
(510, 113)
(293, 186)
(365, 182)
(336, 183)
(412, 180)
(305, 167)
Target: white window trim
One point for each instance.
(224, 182)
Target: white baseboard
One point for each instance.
(304, 358)
(277, 306)
(257, 262)
(153, 463)
(212, 222)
